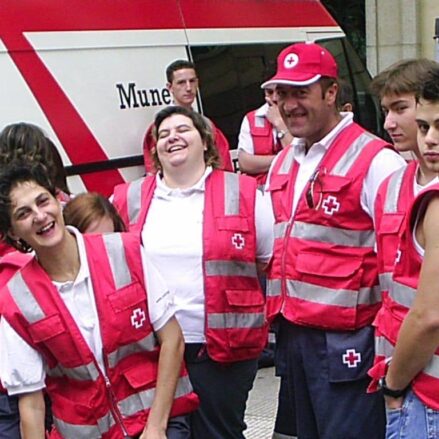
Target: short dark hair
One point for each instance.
(345, 94)
(202, 125)
(28, 141)
(178, 64)
(429, 89)
(11, 175)
(405, 76)
(83, 209)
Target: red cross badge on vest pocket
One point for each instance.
(331, 205)
(238, 241)
(138, 318)
(351, 358)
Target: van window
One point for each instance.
(230, 79)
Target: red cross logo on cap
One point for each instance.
(138, 318)
(331, 205)
(238, 241)
(291, 60)
(351, 358)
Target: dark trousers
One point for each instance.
(9, 417)
(223, 391)
(330, 397)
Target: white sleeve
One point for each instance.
(245, 141)
(264, 222)
(382, 165)
(22, 368)
(160, 300)
(276, 158)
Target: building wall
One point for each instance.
(429, 11)
(397, 29)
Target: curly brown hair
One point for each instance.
(14, 173)
(28, 142)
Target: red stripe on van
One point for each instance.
(77, 139)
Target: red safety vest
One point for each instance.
(221, 143)
(236, 327)
(261, 131)
(85, 402)
(324, 271)
(402, 291)
(393, 201)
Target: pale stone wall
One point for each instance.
(429, 11)
(393, 31)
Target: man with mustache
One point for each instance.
(323, 277)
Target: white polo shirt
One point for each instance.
(22, 368)
(173, 239)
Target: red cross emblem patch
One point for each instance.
(331, 205)
(351, 358)
(138, 318)
(238, 241)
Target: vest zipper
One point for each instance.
(113, 402)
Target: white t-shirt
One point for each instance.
(382, 165)
(22, 368)
(173, 239)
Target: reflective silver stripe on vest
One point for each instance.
(143, 400)
(287, 162)
(402, 294)
(385, 281)
(75, 431)
(432, 367)
(134, 200)
(259, 121)
(118, 263)
(351, 155)
(274, 287)
(231, 194)
(79, 373)
(383, 347)
(333, 296)
(280, 229)
(230, 320)
(24, 299)
(231, 268)
(333, 235)
(149, 343)
(393, 189)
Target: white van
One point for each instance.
(92, 73)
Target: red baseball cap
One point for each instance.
(303, 64)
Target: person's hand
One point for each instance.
(393, 403)
(274, 116)
(151, 432)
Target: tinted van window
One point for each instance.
(230, 79)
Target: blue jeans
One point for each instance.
(414, 420)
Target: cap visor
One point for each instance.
(296, 83)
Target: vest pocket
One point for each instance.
(344, 269)
(391, 223)
(245, 323)
(66, 413)
(46, 328)
(233, 222)
(350, 354)
(127, 297)
(142, 377)
(326, 289)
